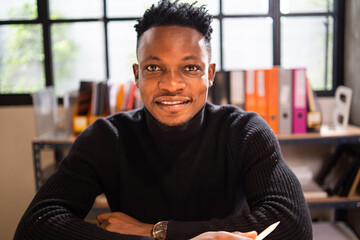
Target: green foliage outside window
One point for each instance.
(22, 60)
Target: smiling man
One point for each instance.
(174, 73)
(179, 167)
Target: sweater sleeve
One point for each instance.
(60, 206)
(272, 191)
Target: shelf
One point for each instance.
(325, 136)
(334, 202)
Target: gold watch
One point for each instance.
(159, 230)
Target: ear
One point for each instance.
(211, 73)
(136, 73)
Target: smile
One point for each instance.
(175, 104)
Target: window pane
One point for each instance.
(18, 10)
(247, 43)
(60, 9)
(308, 42)
(21, 58)
(296, 6)
(78, 54)
(122, 58)
(245, 7)
(215, 43)
(116, 8)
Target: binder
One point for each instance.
(221, 88)
(82, 108)
(299, 100)
(237, 88)
(313, 118)
(250, 90)
(119, 98)
(124, 103)
(285, 101)
(272, 86)
(131, 100)
(260, 93)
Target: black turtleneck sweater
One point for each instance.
(199, 176)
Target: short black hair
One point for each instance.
(168, 13)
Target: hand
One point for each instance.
(124, 224)
(226, 236)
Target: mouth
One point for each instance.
(172, 104)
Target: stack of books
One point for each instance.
(101, 99)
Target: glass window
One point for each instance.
(215, 43)
(78, 54)
(247, 43)
(122, 58)
(231, 7)
(21, 58)
(18, 10)
(116, 8)
(296, 6)
(307, 42)
(62, 9)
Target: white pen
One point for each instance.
(267, 231)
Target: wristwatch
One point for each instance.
(159, 230)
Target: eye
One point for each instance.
(152, 68)
(191, 68)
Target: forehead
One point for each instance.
(171, 39)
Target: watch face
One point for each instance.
(160, 230)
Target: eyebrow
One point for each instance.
(190, 58)
(152, 57)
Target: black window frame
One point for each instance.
(43, 18)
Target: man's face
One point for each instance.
(174, 73)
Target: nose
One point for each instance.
(172, 81)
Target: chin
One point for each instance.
(177, 122)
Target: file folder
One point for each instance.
(237, 88)
(285, 101)
(250, 90)
(299, 100)
(272, 87)
(260, 93)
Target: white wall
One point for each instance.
(17, 183)
(352, 56)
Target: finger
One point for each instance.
(103, 225)
(252, 234)
(103, 216)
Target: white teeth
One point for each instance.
(172, 103)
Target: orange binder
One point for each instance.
(260, 93)
(273, 98)
(250, 100)
(119, 98)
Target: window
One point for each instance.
(61, 42)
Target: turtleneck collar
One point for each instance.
(181, 132)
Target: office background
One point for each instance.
(17, 129)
